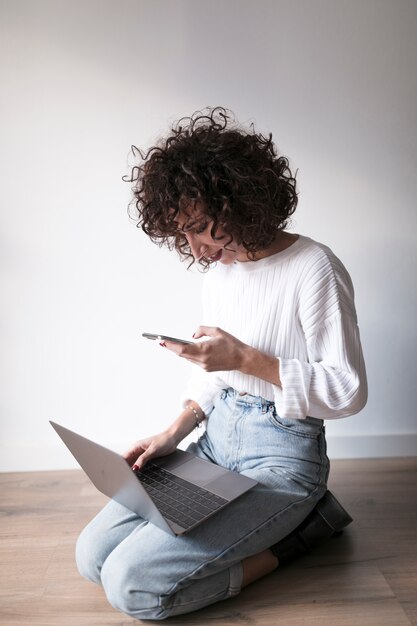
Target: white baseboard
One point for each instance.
(56, 457)
(372, 446)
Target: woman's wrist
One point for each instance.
(191, 416)
(198, 414)
(261, 365)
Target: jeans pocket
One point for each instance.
(309, 427)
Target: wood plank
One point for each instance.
(367, 577)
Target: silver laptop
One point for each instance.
(175, 492)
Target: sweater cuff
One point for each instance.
(292, 398)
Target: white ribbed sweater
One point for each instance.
(297, 305)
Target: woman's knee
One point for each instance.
(89, 555)
(126, 591)
(101, 536)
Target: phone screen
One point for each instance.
(157, 337)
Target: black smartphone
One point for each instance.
(165, 338)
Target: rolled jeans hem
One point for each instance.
(236, 577)
(183, 606)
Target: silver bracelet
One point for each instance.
(197, 421)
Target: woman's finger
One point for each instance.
(206, 331)
(141, 461)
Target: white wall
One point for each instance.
(334, 80)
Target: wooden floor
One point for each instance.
(366, 577)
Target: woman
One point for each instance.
(280, 352)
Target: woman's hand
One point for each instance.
(145, 449)
(167, 441)
(221, 352)
(224, 352)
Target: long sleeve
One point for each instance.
(331, 382)
(298, 306)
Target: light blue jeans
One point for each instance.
(148, 574)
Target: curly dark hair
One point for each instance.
(234, 173)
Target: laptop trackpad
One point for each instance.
(198, 471)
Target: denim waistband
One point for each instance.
(246, 398)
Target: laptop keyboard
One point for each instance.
(178, 500)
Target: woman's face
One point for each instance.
(196, 227)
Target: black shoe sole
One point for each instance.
(328, 518)
(332, 512)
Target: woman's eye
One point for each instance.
(195, 227)
(201, 228)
